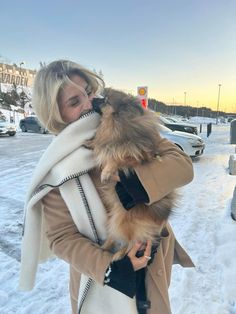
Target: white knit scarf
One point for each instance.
(65, 164)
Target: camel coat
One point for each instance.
(171, 171)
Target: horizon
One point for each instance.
(181, 50)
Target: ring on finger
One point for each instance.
(147, 257)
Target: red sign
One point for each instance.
(144, 103)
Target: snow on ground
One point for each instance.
(202, 224)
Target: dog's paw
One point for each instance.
(109, 173)
(106, 176)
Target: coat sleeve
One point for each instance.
(68, 244)
(171, 169)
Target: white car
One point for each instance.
(178, 125)
(7, 128)
(191, 144)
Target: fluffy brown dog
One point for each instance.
(127, 136)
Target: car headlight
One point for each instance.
(11, 127)
(195, 142)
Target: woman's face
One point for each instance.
(74, 101)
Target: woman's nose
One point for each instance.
(90, 99)
(89, 104)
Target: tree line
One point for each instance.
(14, 97)
(19, 99)
(184, 111)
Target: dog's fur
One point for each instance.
(127, 136)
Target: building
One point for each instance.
(20, 79)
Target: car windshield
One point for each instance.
(164, 129)
(172, 119)
(163, 119)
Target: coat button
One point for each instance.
(160, 272)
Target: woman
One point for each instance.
(65, 214)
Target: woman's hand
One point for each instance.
(140, 262)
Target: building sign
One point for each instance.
(7, 78)
(14, 75)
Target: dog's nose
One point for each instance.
(97, 104)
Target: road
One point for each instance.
(18, 156)
(21, 144)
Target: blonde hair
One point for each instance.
(48, 83)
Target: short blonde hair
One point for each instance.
(48, 83)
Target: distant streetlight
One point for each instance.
(185, 93)
(197, 107)
(21, 63)
(174, 108)
(218, 104)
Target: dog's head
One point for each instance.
(125, 123)
(117, 103)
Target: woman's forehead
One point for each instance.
(78, 80)
(75, 86)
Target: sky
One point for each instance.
(176, 48)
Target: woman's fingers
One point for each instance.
(147, 252)
(137, 245)
(140, 262)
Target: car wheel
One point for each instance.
(41, 130)
(12, 134)
(23, 128)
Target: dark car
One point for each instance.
(179, 126)
(31, 123)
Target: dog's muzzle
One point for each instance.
(98, 103)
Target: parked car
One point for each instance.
(172, 119)
(31, 123)
(229, 119)
(7, 128)
(191, 144)
(178, 126)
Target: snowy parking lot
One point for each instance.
(201, 222)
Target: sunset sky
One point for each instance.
(172, 47)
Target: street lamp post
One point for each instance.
(173, 109)
(218, 104)
(22, 90)
(22, 63)
(202, 111)
(185, 93)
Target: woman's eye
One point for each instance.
(75, 102)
